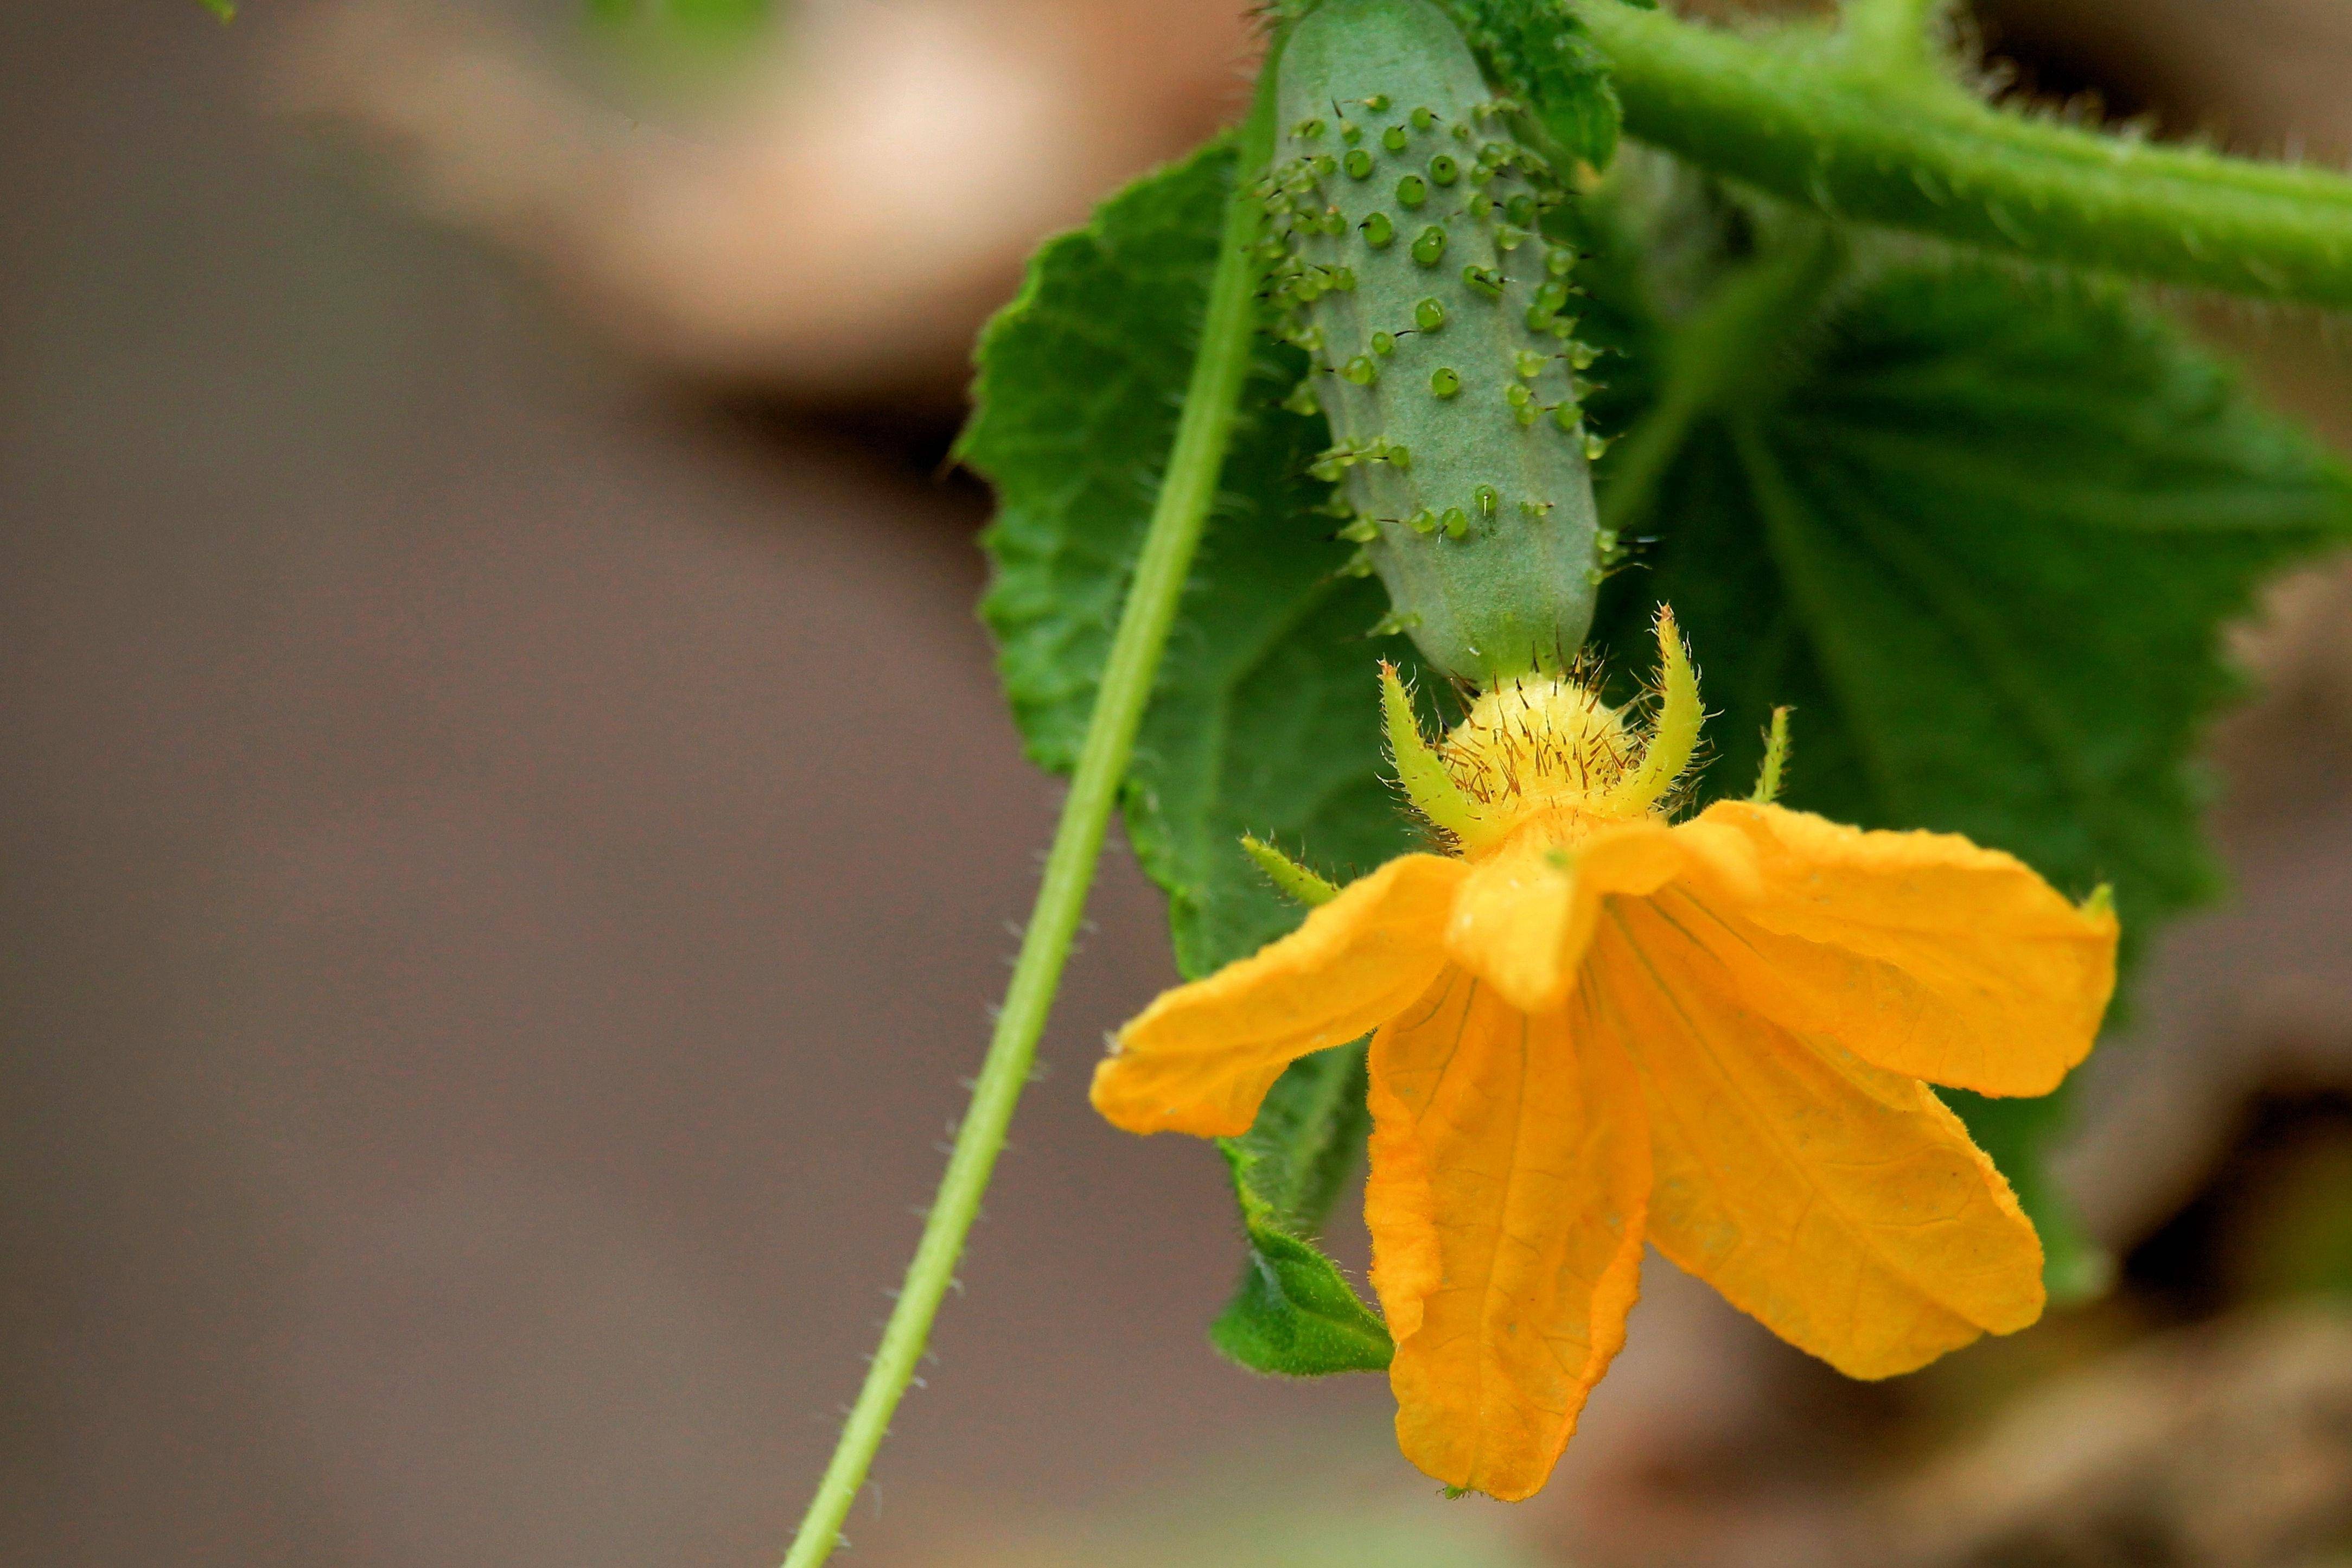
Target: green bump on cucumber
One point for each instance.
(1442, 354)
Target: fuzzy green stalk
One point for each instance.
(1862, 128)
(1187, 490)
(1890, 35)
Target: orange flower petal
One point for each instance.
(1200, 1057)
(1918, 952)
(1841, 1204)
(1509, 1172)
(1525, 913)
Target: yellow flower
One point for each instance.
(1596, 1026)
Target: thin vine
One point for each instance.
(1187, 490)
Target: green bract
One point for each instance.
(1408, 266)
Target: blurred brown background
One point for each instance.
(508, 837)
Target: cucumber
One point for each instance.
(1406, 257)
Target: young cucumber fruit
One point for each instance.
(1407, 259)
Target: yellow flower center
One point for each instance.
(1545, 753)
(1540, 743)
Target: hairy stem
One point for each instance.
(1805, 118)
(1889, 36)
(1187, 490)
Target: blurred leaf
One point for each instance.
(2020, 1134)
(1984, 533)
(1265, 715)
(719, 20)
(225, 9)
(1539, 52)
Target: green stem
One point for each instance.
(1889, 36)
(1799, 116)
(1187, 488)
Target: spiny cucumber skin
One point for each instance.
(1511, 589)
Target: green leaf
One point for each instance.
(1539, 52)
(1292, 1312)
(1985, 535)
(1266, 719)
(1305, 1138)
